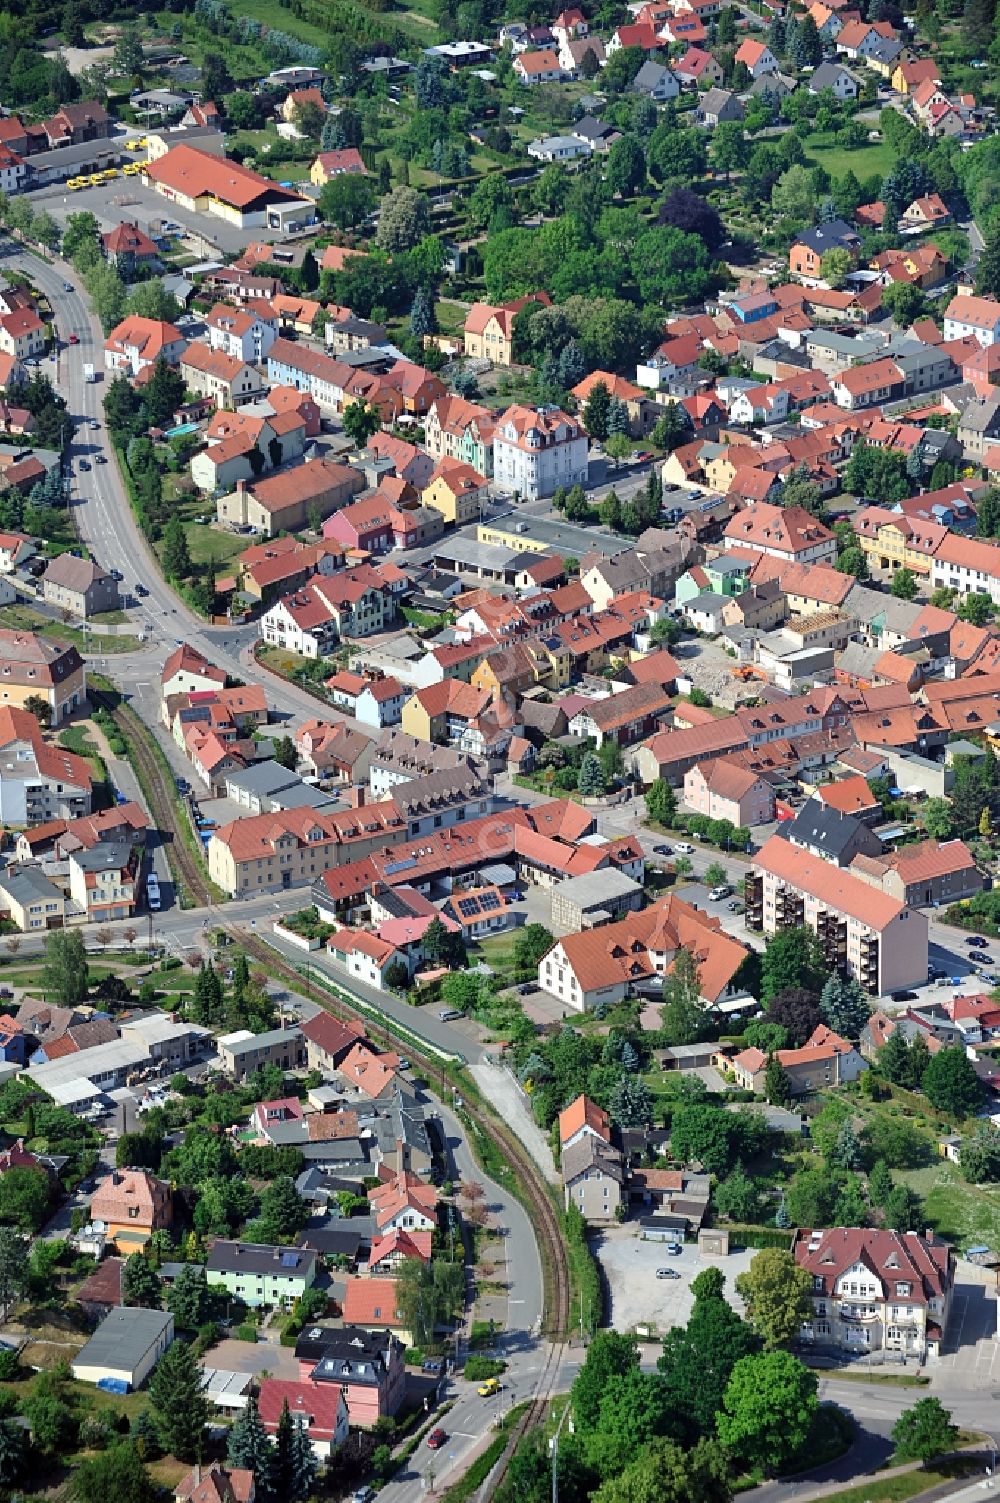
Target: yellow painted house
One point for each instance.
(457, 491)
(440, 712)
(891, 541)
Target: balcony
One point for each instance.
(789, 909)
(831, 931)
(753, 895)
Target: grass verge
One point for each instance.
(181, 826)
(906, 1485)
(93, 644)
(485, 1462)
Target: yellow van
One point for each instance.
(73, 183)
(95, 180)
(109, 173)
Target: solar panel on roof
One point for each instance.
(489, 901)
(289, 1260)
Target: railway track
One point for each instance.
(158, 786)
(551, 1246)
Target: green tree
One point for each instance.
(140, 1283)
(904, 302)
(12, 1266)
(249, 1447)
(304, 1465)
(596, 411)
(903, 1210)
(980, 1160)
(730, 148)
(775, 1291)
(346, 201)
(853, 561)
(684, 1018)
(25, 1197)
(951, 1084)
(904, 584)
(664, 1473)
(937, 818)
(619, 447)
(879, 1183)
(181, 1409)
(13, 1454)
(117, 1473)
(706, 1135)
(176, 558)
(285, 753)
(360, 422)
(794, 196)
(846, 1151)
(698, 1358)
(789, 961)
(530, 944)
(609, 1356)
(661, 802)
(188, 1299)
(630, 1103)
(777, 1086)
(591, 777)
(625, 173)
(923, 1432)
(844, 1006)
(81, 241)
(737, 1197)
(893, 1139)
(988, 269)
(128, 55)
(66, 976)
(769, 1407)
(403, 220)
(283, 1212)
(976, 608)
(836, 265)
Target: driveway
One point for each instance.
(638, 1297)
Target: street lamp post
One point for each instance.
(554, 1447)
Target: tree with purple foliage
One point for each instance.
(687, 210)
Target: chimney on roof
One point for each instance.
(928, 1234)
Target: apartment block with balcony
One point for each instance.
(876, 1290)
(864, 933)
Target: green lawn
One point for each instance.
(865, 162)
(23, 618)
(908, 1484)
(208, 542)
(965, 1215)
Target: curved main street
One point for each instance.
(105, 522)
(103, 517)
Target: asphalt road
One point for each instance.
(104, 517)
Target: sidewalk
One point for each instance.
(503, 1092)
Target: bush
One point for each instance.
(246, 1332)
(171, 963)
(9, 1365)
(478, 1369)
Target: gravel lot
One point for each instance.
(638, 1297)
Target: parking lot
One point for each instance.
(128, 198)
(637, 1296)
